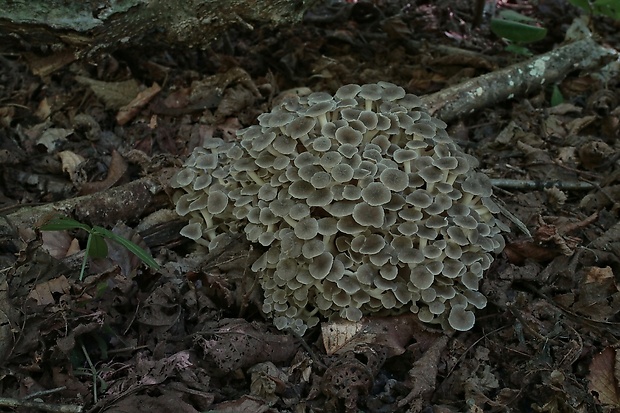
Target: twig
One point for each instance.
(531, 184)
(48, 407)
(44, 393)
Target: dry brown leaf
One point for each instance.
(595, 153)
(599, 296)
(579, 124)
(44, 65)
(51, 138)
(390, 333)
(423, 376)
(57, 243)
(43, 293)
(603, 377)
(337, 334)
(116, 170)
(6, 115)
(70, 161)
(8, 318)
(44, 110)
(131, 109)
(598, 274)
(114, 94)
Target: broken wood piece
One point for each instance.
(518, 79)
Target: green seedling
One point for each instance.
(95, 245)
(556, 96)
(518, 29)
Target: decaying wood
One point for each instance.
(123, 203)
(517, 80)
(73, 29)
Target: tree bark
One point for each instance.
(81, 28)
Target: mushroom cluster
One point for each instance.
(362, 201)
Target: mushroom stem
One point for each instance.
(322, 119)
(422, 243)
(290, 221)
(255, 177)
(467, 199)
(210, 231)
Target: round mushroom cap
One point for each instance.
(368, 215)
(376, 193)
(478, 184)
(461, 319)
(192, 231)
(394, 179)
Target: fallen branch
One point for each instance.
(531, 184)
(48, 407)
(123, 203)
(518, 79)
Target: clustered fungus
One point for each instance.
(362, 201)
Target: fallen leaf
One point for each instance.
(43, 293)
(131, 109)
(70, 162)
(604, 375)
(114, 94)
(390, 333)
(116, 170)
(52, 138)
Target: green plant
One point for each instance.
(95, 245)
(518, 29)
(609, 8)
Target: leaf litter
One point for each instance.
(191, 337)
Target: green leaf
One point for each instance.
(60, 223)
(97, 248)
(609, 8)
(556, 96)
(584, 4)
(515, 17)
(516, 32)
(522, 50)
(139, 252)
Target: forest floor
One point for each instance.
(190, 336)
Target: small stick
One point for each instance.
(531, 184)
(48, 407)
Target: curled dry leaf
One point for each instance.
(595, 154)
(130, 110)
(422, 377)
(70, 161)
(116, 170)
